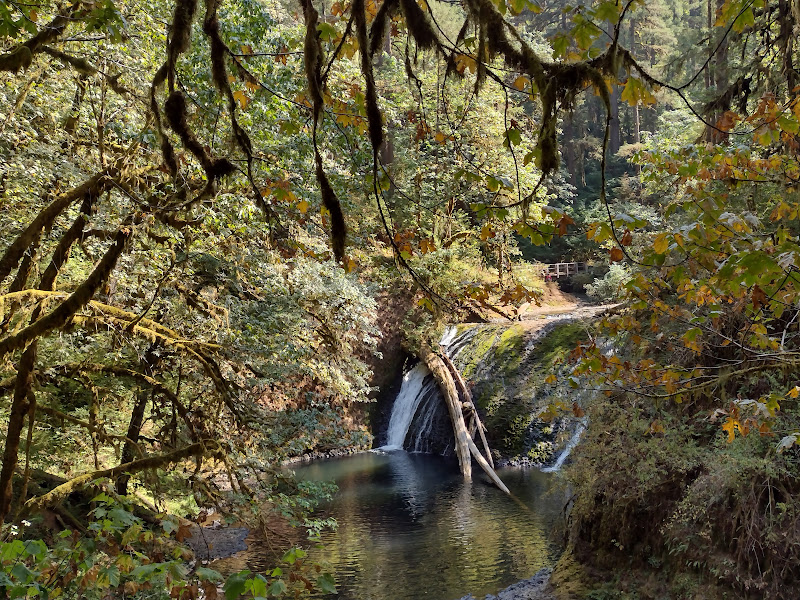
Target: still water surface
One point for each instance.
(410, 527)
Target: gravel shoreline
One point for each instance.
(535, 588)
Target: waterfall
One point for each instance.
(418, 400)
(405, 406)
(420, 422)
(573, 441)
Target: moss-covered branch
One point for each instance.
(59, 316)
(205, 448)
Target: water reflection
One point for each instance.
(410, 527)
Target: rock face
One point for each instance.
(534, 588)
(506, 366)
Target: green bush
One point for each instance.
(609, 288)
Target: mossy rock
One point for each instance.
(506, 366)
(569, 580)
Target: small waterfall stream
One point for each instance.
(573, 441)
(413, 390)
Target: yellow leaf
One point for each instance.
(730, 426)
(794, 392)
(550, 378)
(440, 137)
(486, 233)
(302, 206)
(464, 62)
(635, 93)
(661, 243)
(521, 82)
(241, 98)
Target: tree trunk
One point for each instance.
(149, 361)
(448, 389)
(614, 139)
(568, 149)
(134, 429)
(16, 421)
(465, 446)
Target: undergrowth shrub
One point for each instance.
(659, 490)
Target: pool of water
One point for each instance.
(410, 527)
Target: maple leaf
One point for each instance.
(730, 426)
(635, 93)
(562, 224)
(241, 98)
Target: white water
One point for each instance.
(405, 406)
(573, 441)
(414, 390)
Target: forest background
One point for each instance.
(218, 217)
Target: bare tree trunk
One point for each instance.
(709, 78)
(465, 446)
(448, 389)
(614, 139)
(143, 396)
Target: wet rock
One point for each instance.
(534, 588)
(210, 543)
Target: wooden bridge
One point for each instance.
(556, 270)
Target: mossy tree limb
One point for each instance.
(204, 448)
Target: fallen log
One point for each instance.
(448, 388)
(482, 432)
(458, 379)
(476, 454)
(465, 446)
(475, 420)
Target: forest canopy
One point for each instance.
(210, 208)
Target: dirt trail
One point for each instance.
(558, 304)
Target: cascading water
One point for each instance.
(418, 402)
(405, 406)
(573, 441)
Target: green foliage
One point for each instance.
(610, 288)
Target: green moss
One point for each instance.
(506, 380)
(557, 344)
(508, 353)
(569, 579)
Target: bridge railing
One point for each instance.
(556, 270)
